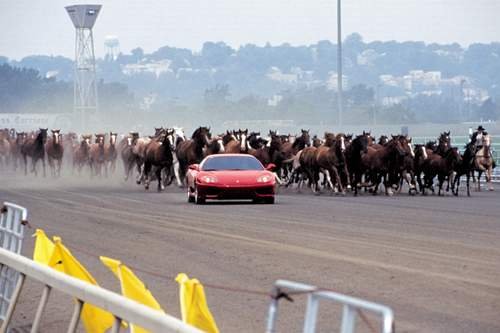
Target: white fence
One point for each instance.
(12, 219)
(351, 308)
(122, 308)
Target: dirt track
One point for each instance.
(434, 260)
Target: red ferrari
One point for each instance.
(230, 176)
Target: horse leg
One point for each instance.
(159, 178)
(146, 170)
(456, 185)
(489, 178)
(479, 174)
(177, 173)
(441, 180)
(468, 182)
(339, 181)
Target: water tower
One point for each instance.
(85, 94)
(112, 45)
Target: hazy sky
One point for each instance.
(43, 26)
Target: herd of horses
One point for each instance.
(334, 162)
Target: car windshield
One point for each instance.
(231, 163)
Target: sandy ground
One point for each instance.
(434, 260)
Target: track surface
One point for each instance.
(434, 260)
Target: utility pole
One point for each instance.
(339, 63)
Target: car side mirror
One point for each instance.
(271, 166)
(195, 167)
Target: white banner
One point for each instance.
(34, 121)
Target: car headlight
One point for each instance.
(208, 179)
(264, 179)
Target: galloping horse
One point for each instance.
(440, 166)
(483, 162)
(97, 158)
(191, 151)
(35, 148)
(81, 153)
(110, 152)
(55, 151)
(465, 167)
(382, 163)
(356, 149)
(15, 149)
(158, 153)
(330, 158)
(444, 143)
(126, 147)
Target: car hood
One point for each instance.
(236, 177)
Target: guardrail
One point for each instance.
(12, 219)
(123, 309)
(461, 141)
(351, 307)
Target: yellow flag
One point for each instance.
(43, 247)
(132, 287)
(95, 320)
(194, 306)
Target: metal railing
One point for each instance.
(12, 219)
(120, 307)
(351, 308)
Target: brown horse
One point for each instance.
(15, 149)
(483, 162)
(442, 167)
(35, 148)
(110, 152)
(81, 153)
(158, 154)
(235, 142)
(215, 146)
(191, 151)
(354, 152)
(258, 148)
(55, 151)
(329, 159)
(382, 163)
(97, 157)
(126, 147)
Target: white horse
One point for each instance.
(483, 162)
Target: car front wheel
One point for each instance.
(269, 201)
(198, 199)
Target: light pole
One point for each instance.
(339, 63)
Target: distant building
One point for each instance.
(332, 82)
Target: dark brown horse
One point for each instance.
(126, 147)
(81, 153)
(354, 151)
(97, 157)
(35, 148)
(382, 163)
(440, 166)
(55, 152)
(110, 152)
(444, 143)
(158, 154)
(15, 149)
(191, 151)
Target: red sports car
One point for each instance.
(230, 176)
